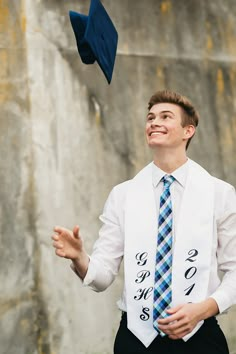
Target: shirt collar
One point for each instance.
(179, 174)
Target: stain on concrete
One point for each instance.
(165, 6)
(220, 81)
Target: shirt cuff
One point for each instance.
(222, 300)
(90, 275)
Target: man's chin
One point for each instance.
(156, 145)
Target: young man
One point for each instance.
(175, 226)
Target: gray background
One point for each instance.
(66, 137)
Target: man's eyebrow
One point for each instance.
(165, 111)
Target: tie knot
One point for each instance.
(167, 180)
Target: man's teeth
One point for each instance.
(157, 133)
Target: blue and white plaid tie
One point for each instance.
(163, 274)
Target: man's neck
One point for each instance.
(169, 161)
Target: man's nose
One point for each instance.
(156, 121)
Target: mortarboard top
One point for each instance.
(96, 37)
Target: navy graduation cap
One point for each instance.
(96, 37)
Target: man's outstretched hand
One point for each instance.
(69, 244)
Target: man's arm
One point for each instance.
(98, 270)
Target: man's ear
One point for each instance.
(189, 131)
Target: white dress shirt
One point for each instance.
(108, 250)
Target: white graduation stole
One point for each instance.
(191, 251)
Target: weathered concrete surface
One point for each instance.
(67, 137)
(18, 277)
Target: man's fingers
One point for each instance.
(60, 253)
(58, 245)
(55, 237)
(76, 231)
(58, 229)
(169, 319)
(180, 333)
(61, 230)
(175, 328)
(174, 309)
(179, 336)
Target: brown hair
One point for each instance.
(190, 115)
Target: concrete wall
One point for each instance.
(66, 137)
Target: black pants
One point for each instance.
(209, 339)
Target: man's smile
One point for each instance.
(157, 133)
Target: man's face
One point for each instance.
(163, 126)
